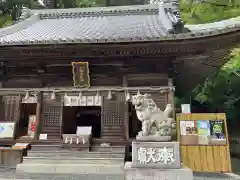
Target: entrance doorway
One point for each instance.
(27, 122)
(134, 124)
(82, 116)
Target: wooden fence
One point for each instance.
(205, 158)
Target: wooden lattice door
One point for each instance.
(112, 118)
(51, 117)
(12, 108)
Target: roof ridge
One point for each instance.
(101, 10)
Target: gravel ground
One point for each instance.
(10, 174)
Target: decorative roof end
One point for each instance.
(26, 13)
(172, 9)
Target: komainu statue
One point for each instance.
(156, 124)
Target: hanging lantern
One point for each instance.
(53, 96)
(109, 97)
(127, 96)
(83, 141)
(77, 141)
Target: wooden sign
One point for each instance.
(42, 136)
(80, 72)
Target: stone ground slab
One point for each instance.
(7, 174)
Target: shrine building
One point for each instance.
(66, 68)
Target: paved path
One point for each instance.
(8, 174)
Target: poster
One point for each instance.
(183, 128)
(203, 127)
(31, 125)
(188, 131)
(191, 128)
(7, 130)
(217, 129)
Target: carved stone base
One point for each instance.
(154, 138)
(132, 173)
(163, 155)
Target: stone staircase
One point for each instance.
(53, 132)
(100, 160)
(113, 131)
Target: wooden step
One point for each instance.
(112, 133)
(77, 154)
(112, 149)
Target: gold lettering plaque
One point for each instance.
(80, 72)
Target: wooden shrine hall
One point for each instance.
(68, 68)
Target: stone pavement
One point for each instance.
(8, 174)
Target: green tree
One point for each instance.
(204, 11)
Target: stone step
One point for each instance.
(112, 134)
(76, 154)
(112, 128)
(111, 149)
(107, 169)
(42, 147)
(112, 131)
(115, 137)
(71, 160)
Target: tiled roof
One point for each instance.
(110, 24)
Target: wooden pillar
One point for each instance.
(126, 113)
(38, 116)
(170, 98)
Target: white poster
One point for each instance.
(90, 101)
(183, 127)
(67, 101)
(98, 100)
(31, 99)
(83, 101)
(74, 100)
(7, 130)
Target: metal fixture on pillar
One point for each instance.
(138, 92)
(26, 95)
(109, 97)
(127, 96)
(53, 96)
(80, 95)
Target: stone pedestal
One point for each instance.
(163, 155)
(156, 161)
(132, 173)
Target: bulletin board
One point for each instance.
(204, 142)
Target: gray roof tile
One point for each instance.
(111, 24)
